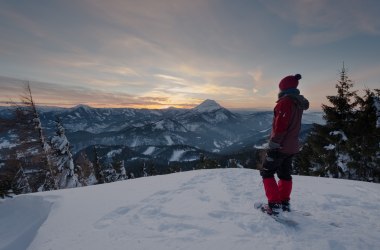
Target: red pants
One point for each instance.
(282, 165)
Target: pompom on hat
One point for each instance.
(289, 82)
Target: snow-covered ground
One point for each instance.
(149, 150)
(6, 144)
(169, 140)
(204, 209)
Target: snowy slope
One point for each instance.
(206, 209)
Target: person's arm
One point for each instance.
(282, 116)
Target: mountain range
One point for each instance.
(162, 133)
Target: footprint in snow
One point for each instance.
(111, 217)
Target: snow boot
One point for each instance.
(271, 208)
(271, 190)
(285, 206)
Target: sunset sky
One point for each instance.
(161, 53)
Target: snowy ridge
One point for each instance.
(205, 209)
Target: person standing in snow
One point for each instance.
(283, 145)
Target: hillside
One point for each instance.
(204, 209)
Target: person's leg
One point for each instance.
(285, 183)
(271, 190)
(269, 168)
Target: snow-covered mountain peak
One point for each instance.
(82, 106)
(207, 106)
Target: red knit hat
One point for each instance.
(289, 82)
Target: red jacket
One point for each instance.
(287, 122)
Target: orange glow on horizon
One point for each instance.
(136, 106)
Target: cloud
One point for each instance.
(263, 85)
(173, 52)
(137, 45)
(120, 70)
(173, 79)
(308, 38)
(63, 95)
(324, 21)
(20, 21)
(196, 81)
(256, 74)
(213, 89)
(193, 94)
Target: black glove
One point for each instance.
(273, 151)
(272, 154)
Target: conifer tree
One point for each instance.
(63, 159)
(205, 163)
(131, 175)
(144, 170)
(341, 114)
(118, 166)
(8, 176)
(86, 167)
(376, 104)
(325, 152)
(33, 150)
(99, 174)
(151, 169)
(364, 147)
(20, 184)
(347, 146)
(122, 171)
(110, 174)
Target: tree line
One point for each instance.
(348, 144)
